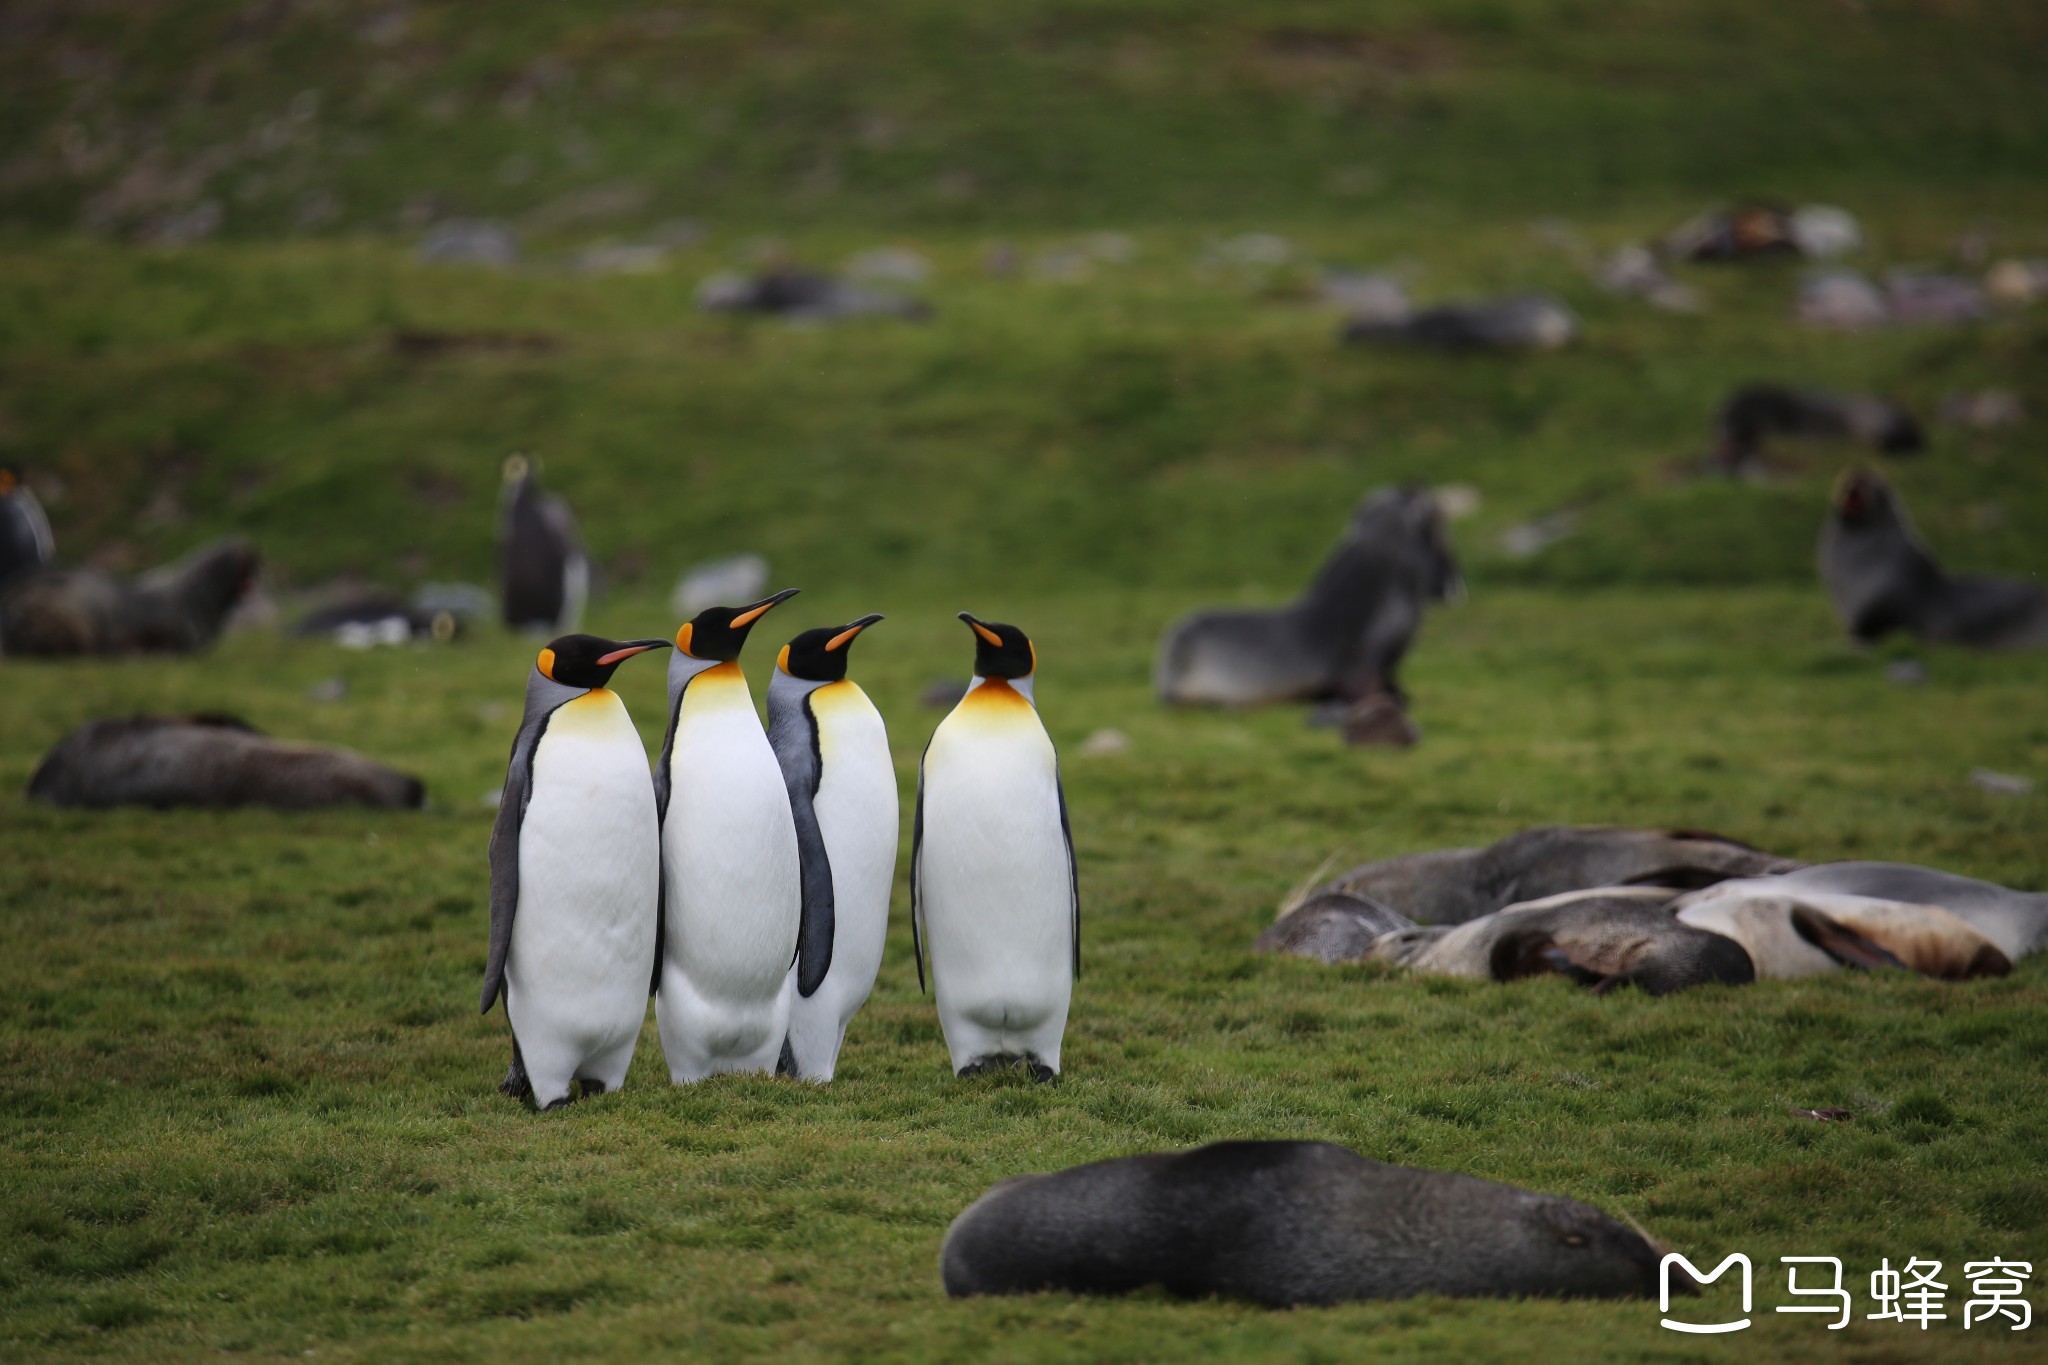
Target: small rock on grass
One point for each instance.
(2001, 784)
(1106, 741)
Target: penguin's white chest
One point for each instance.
(589, 853)
(729, 842)
(994, 878)
(857, 817)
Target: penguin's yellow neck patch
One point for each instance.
(719, 685)
(596, 696)
(994, 697)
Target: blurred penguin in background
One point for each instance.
(25, 540)
(542, 570)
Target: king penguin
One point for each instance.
(25, 541)
(993, 898)
(731, 898)
(575, 878)
(543, 574)
(834, 753)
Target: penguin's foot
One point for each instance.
(785, 1065)
(1002, 1061)
(552, 1105)
(516, 1085)
(590, 1087)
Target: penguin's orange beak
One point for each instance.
(759, 609)
(845, 637)
(635, 647)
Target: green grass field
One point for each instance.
(246, 1105)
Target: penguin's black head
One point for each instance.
(719, 633)
(820, 655)
(1000, 651)
(588, 660)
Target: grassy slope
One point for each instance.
(246, 1102)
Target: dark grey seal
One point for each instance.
(1753, 414)
(1452, 885)
(1285, 1224)
(1331, 927)
(1519, 322)
(177, 608)
(1603, 938)
(1881, 577)
(205, 760)
(1343, 638)
(543, 575)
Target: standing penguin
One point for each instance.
(992, 884)
(542, 570)
(575, 878)
(731, 892)
(25, 541)
(835, 759)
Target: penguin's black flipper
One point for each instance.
(661, 794)
(505, 851)
(916, 860)
(1073, 871)
(794, 737)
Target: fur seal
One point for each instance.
(1755, 412)
(1343, 638)
(1331, 927)
(1285, 1224)
(1607, 937)
(2016, 922)
(1881, 577)
(1793, 934)
(1452, 885)
(178, 607)
(209, 760)
(1519, 322)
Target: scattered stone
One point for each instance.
(1914, 296)
(1457, 500)
(470, 241)
(1260, 250)
(1365, 297)
(732, 581)
(1984, 410)
(1634, 271)
(2001, 784)
(1817, 231)
(1822, 232)
(1905, 672)
(2016, 282)
(1527, 539)
(1839, 299)
(1106, 741)
(889, 264)
(620, 258)
(328, 690)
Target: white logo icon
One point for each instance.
(1702, 1328)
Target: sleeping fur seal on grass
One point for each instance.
(1331, 927)
(2016, 922)
(1881, 577)
(1343, 638)
(1452, 885)
(1805, 933)
(1286, 1224)
(176, 608)
(209, 760)
(1603, 938)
